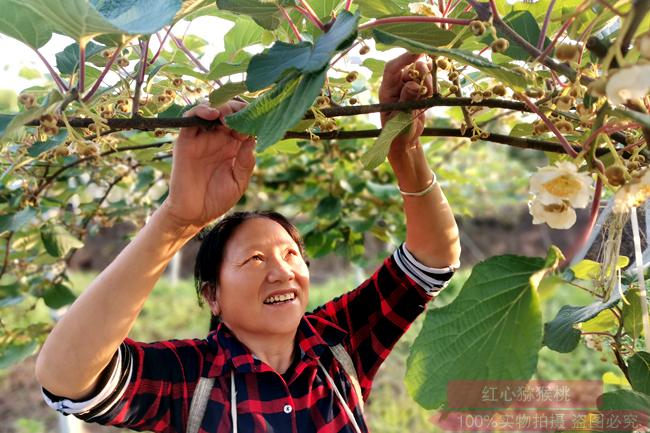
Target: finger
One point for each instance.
(238, 135)
(410, 91)
(203, 111)
(391, 83)
(230, 108)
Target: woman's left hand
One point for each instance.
(399, 85)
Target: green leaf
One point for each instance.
(383, 192)
(328, 208)
(588, 269)
(269, 116)
(67, 61)
(376, 9)
(604, 321)
(226, 92)
(393, 128)
(21, 23)
(498, 308)
(58, 241)
(324, 8)
(465, 57)
(244, 34)
(5, 121)
(285, 146)
(30, 73)
(58, 296)
(639, 370)
(633, 313)
(15, 352)
(643, 119)
(10, 295)
(560, 333)
(17, 121)
(626, 400)
(43, 146)
(15, 221)
(270, 66)
(522, 130)
(264, 14)
(95, 17)
(421, 32)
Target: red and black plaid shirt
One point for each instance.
(153, 384)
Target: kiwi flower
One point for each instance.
(557, 191)
(633, 194)
(628, 83)
(422, 8)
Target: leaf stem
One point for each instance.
(99, 80)
(348, 4)
(569, 149)
(188, 53)
(645, 316)
(55, 76)
(294, 29)
(144, 50)
(162, 43)
(82, 67)
(547, 19)
(305, 4)
(310, 17)
(413, 19)
(5, 261)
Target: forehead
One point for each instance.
(258, 233)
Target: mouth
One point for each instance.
(279, 299)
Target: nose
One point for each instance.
(280, 270)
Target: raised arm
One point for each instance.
(431, 231)
(210, 172)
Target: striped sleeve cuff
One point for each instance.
(107, 394)
(432, 280)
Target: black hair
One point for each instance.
(213, 246)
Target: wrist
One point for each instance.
(167, 222)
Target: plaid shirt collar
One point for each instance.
(313, 336)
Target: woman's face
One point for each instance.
(264, 281)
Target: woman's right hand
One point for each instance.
(211, 169)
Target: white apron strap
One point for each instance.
(199, 403)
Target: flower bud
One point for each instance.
(364, 50)
(615, 175)
(564, 103)
(567, 53)
(442, 63)
(477, 27)
(564, 126)
(500, 45)
(499, 90)
(27, 99)
(353, 101)
(352, 76)
(123, 62)
(177, 82)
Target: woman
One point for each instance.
(268, 367)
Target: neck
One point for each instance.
(275, 350)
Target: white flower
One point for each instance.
(628, 83)
(633, 194)
(561, 184)
(556, 215)
(422, 8)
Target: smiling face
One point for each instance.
(264, 280)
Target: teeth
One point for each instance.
(280, 298)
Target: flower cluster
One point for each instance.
(557, 191)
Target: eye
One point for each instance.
(292, 252)
(255, 258)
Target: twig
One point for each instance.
(348, 4)
(314, 17)
(160, 47)
(5, 262)
(307, 15)
(593, 216)
(82, 68)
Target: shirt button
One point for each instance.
(287, 408)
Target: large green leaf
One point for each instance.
(15, 221)
(263, 13)
(491, 331)
(376, 9)
(83, 19)
(632, 313)
(268, 67)
(15, 352)
(67, 61)
(560, 333)
(394, 127)
(225, 93)
(223, 65)
(425, 33)
(639, 370)
(465, 57)
(269, 116)
(324, 8)
(244, 34)
(58, 241)
(20, 22)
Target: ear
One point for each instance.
(209, 292)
